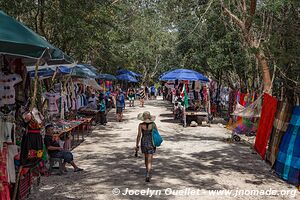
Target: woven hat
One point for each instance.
(146, 117)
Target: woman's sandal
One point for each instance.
(78, 170)
(148, 176)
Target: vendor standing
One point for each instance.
(92, 101)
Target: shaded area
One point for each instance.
(189, 157)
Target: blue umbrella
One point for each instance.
(126, 71)
(64, 70)
(42, 73)
(127, 77)
(83, 71)
(184, 74)
(106, 77)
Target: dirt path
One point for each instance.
(190, 159)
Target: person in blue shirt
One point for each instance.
(153, 92)
(102, 112)
(120, 104)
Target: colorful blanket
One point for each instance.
(281, 122)
(265, 124)
(287, 165)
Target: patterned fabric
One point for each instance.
(265, 124)
(146, 142)
(142, 94)
(4, 185)
(287, 165)
(280, 125)
(7, 89)
(52, 102)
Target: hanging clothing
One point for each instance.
(52, 102)
(281, 122)
(197, 87)
(4, 184)
(7, 90)
(287, 164)
(11, 172)
(31, 145)
(265, 124)
(7, 129)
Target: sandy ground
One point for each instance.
(191, 163)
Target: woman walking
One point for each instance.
(120, 104)
(131, 97)
(145, 138)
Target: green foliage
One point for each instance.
(153, 36)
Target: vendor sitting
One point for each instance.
(51, 141)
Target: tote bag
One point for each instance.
(156, 138)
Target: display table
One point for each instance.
(196, 116)
(73, 129)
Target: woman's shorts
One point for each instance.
(119, 110)
(131, 98)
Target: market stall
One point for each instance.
(22, 155)
(189, 94)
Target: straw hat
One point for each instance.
(146, 117)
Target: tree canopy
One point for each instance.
(153, 36)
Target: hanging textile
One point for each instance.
(7, 89)
(265, 124)
(4, 184)
(283, 115)
(52, 102)
(287, 164)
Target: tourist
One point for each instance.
(131, 97)
(145, 138)
(142, 96)
(120, 104)
(102, 110)
(147, 92)
(55, 151)
(153, 92)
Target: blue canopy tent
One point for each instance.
(183, 74)
(126, 71)
(83, 71)
(42, 73)
(64, 70)
(127, 77)
(90, 67)
(49, 71)
(106, 77)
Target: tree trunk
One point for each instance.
(265, 72)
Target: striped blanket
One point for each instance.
(287, 165)
(280, 125)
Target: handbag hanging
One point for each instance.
(156, 138)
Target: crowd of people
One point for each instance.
(103, 101)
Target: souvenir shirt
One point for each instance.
(52, 102)
(7, 90)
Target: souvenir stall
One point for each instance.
(87, 97)
(189, 94)
(22, 154)
(107, 82)
(67, 105)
